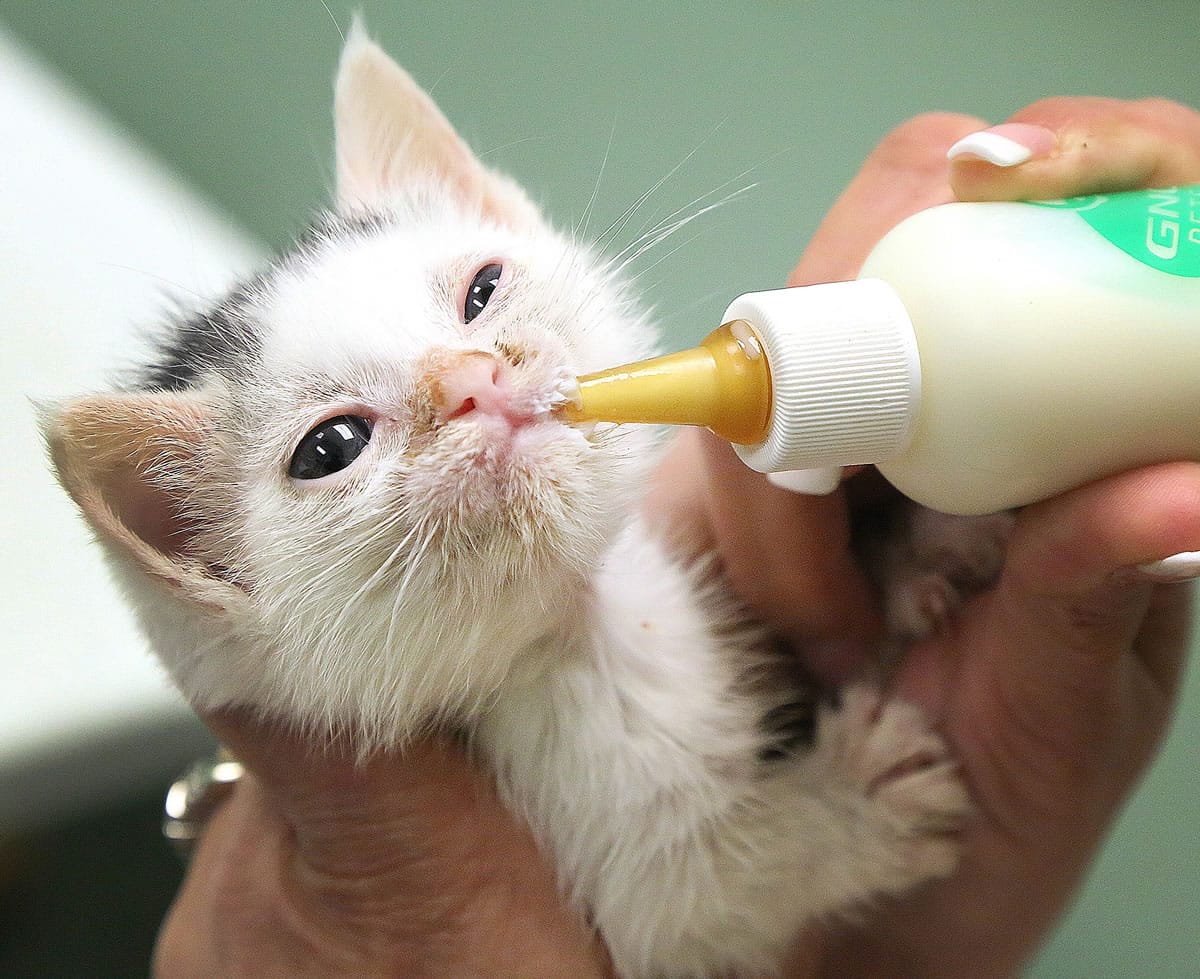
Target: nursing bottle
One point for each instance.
(989, 355)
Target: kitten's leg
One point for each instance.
(903, 792)
(871, 809)
(933, 562)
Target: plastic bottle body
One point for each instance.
(1048, 356)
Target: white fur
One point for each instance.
(634, 760)
(513, 591)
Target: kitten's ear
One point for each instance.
(121, 458)
(391, 134)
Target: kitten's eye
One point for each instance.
(480, 290)
(330, 447)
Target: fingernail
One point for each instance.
(1006, 145)
(1183, 566)
(809, 482)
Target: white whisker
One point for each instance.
(351, 603)
(580, 229)
(662, 258)
(661, 234)
(414, 563)
(664, 222)
(622, 219)
(336, 26)
(482, 154)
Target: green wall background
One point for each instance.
(235, 96)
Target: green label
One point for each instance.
(1160, 228)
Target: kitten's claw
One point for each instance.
(920, 605)
(912, 798)
(940, 562)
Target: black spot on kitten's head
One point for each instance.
(211, 341)
(218, 339)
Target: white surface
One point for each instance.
(95, 242)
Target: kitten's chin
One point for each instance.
(510, 446)
(514, 431)
(507, 468)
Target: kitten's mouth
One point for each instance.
(492, 447)
(478, 388)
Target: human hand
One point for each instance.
(401, 866)
(1055, 688)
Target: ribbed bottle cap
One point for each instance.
(845, 374)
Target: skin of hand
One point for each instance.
(1054, 688)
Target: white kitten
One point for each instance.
(340, 497)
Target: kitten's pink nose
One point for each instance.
(471, 381)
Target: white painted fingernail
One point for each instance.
(996, 149)
(1007, 145)
(810, 482)
(1178, 567)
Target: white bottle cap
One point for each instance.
(845, 374)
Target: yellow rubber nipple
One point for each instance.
(723, 385)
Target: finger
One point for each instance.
(322, 787)
(906, 173)
(788, 557)
(352, 817)
(1080, 146)
(344, 810)
(1070, 607)
(814, 590)
(225, 873)
(1164, 639)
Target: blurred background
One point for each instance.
(153, 150)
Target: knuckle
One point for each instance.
(1093, 620)
(1169, 120)
(1154, 112)
(1157, 107)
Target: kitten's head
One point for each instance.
(341, 495)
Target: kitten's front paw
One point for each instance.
(920, 604)
(911, 799)
(944, 561)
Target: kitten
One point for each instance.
(341, 496)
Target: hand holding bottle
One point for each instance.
(1056, 688)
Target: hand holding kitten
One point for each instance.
(1054, 689)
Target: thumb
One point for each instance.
(1074, 145)
(1072, 580)
(1075, 657)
